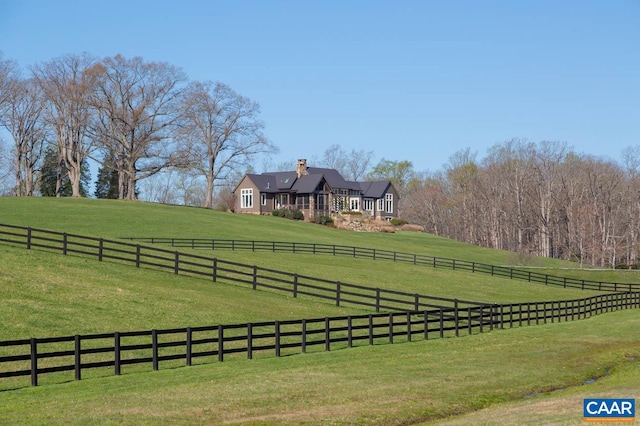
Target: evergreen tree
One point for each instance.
(107, 180)
(53, 169)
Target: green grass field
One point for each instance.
(530, 375)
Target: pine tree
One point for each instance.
(107, 180)
(53, 169)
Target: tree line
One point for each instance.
(135, 118)
(540, 199)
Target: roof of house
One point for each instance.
(274, 182)
(375, 189)
(306, 184)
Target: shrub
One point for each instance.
(323, 220)
(289, 214)
(352, 213)
(398, 222)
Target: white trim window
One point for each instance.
(388, 203)
(263, 199)
(354, 204)
(246, 198)
(367, 204)
(380, 205)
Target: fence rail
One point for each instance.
(340, 293)
(115, 352)
(394, 256)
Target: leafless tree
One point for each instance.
(219, 132)
(22, 117)
(137, 108)
(8, 77)
(67, 86)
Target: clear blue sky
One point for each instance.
(408, 80)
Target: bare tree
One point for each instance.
(219, 133)
(137, 108)
(8, 77)
(22, 117)
(67, 86)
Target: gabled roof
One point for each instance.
(375, 189)
(283, 180)
(265, 183)
(332, 176)
(307, 184)
(274, 182)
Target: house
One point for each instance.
(315, 192)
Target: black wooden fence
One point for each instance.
(394, 256)
(116, 351)
(340, 293)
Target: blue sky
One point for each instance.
(408, 80)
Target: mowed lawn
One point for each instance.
(44, 294)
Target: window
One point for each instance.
(389, 203)
(246, 198)
(354, 204)
(263, 199)
(380, 205)
(367, 204)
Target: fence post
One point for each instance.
(426, 325)
(29, 238)
(349, 332)
(327, 334)
(189, 353)
(441, 322)
(76, 357)
(100, 249)
(34, 362)
(255, 277)
(220, 343)
(214, 273)
(249, 341)
(338, 293)
(481, 318)
(370, 329)
(416, 302)
(295, 286)
(455, 313)
(277, 337)
(137, 255)
(469, 326)
(116, 353)
(491, 316)
(154, 348)
(303, 343)
(377, 300)
(390, 328)
(408, 326)
(176, 263)
(64, 243)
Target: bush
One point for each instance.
(289, 214)
(351, 213)
(398, 222)
(323, 220)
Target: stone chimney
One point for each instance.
(301, 168)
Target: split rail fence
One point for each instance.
(409, 316)
(394, 256)
(113, 352)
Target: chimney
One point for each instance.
(301, 168)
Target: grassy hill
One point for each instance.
(46, 294)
